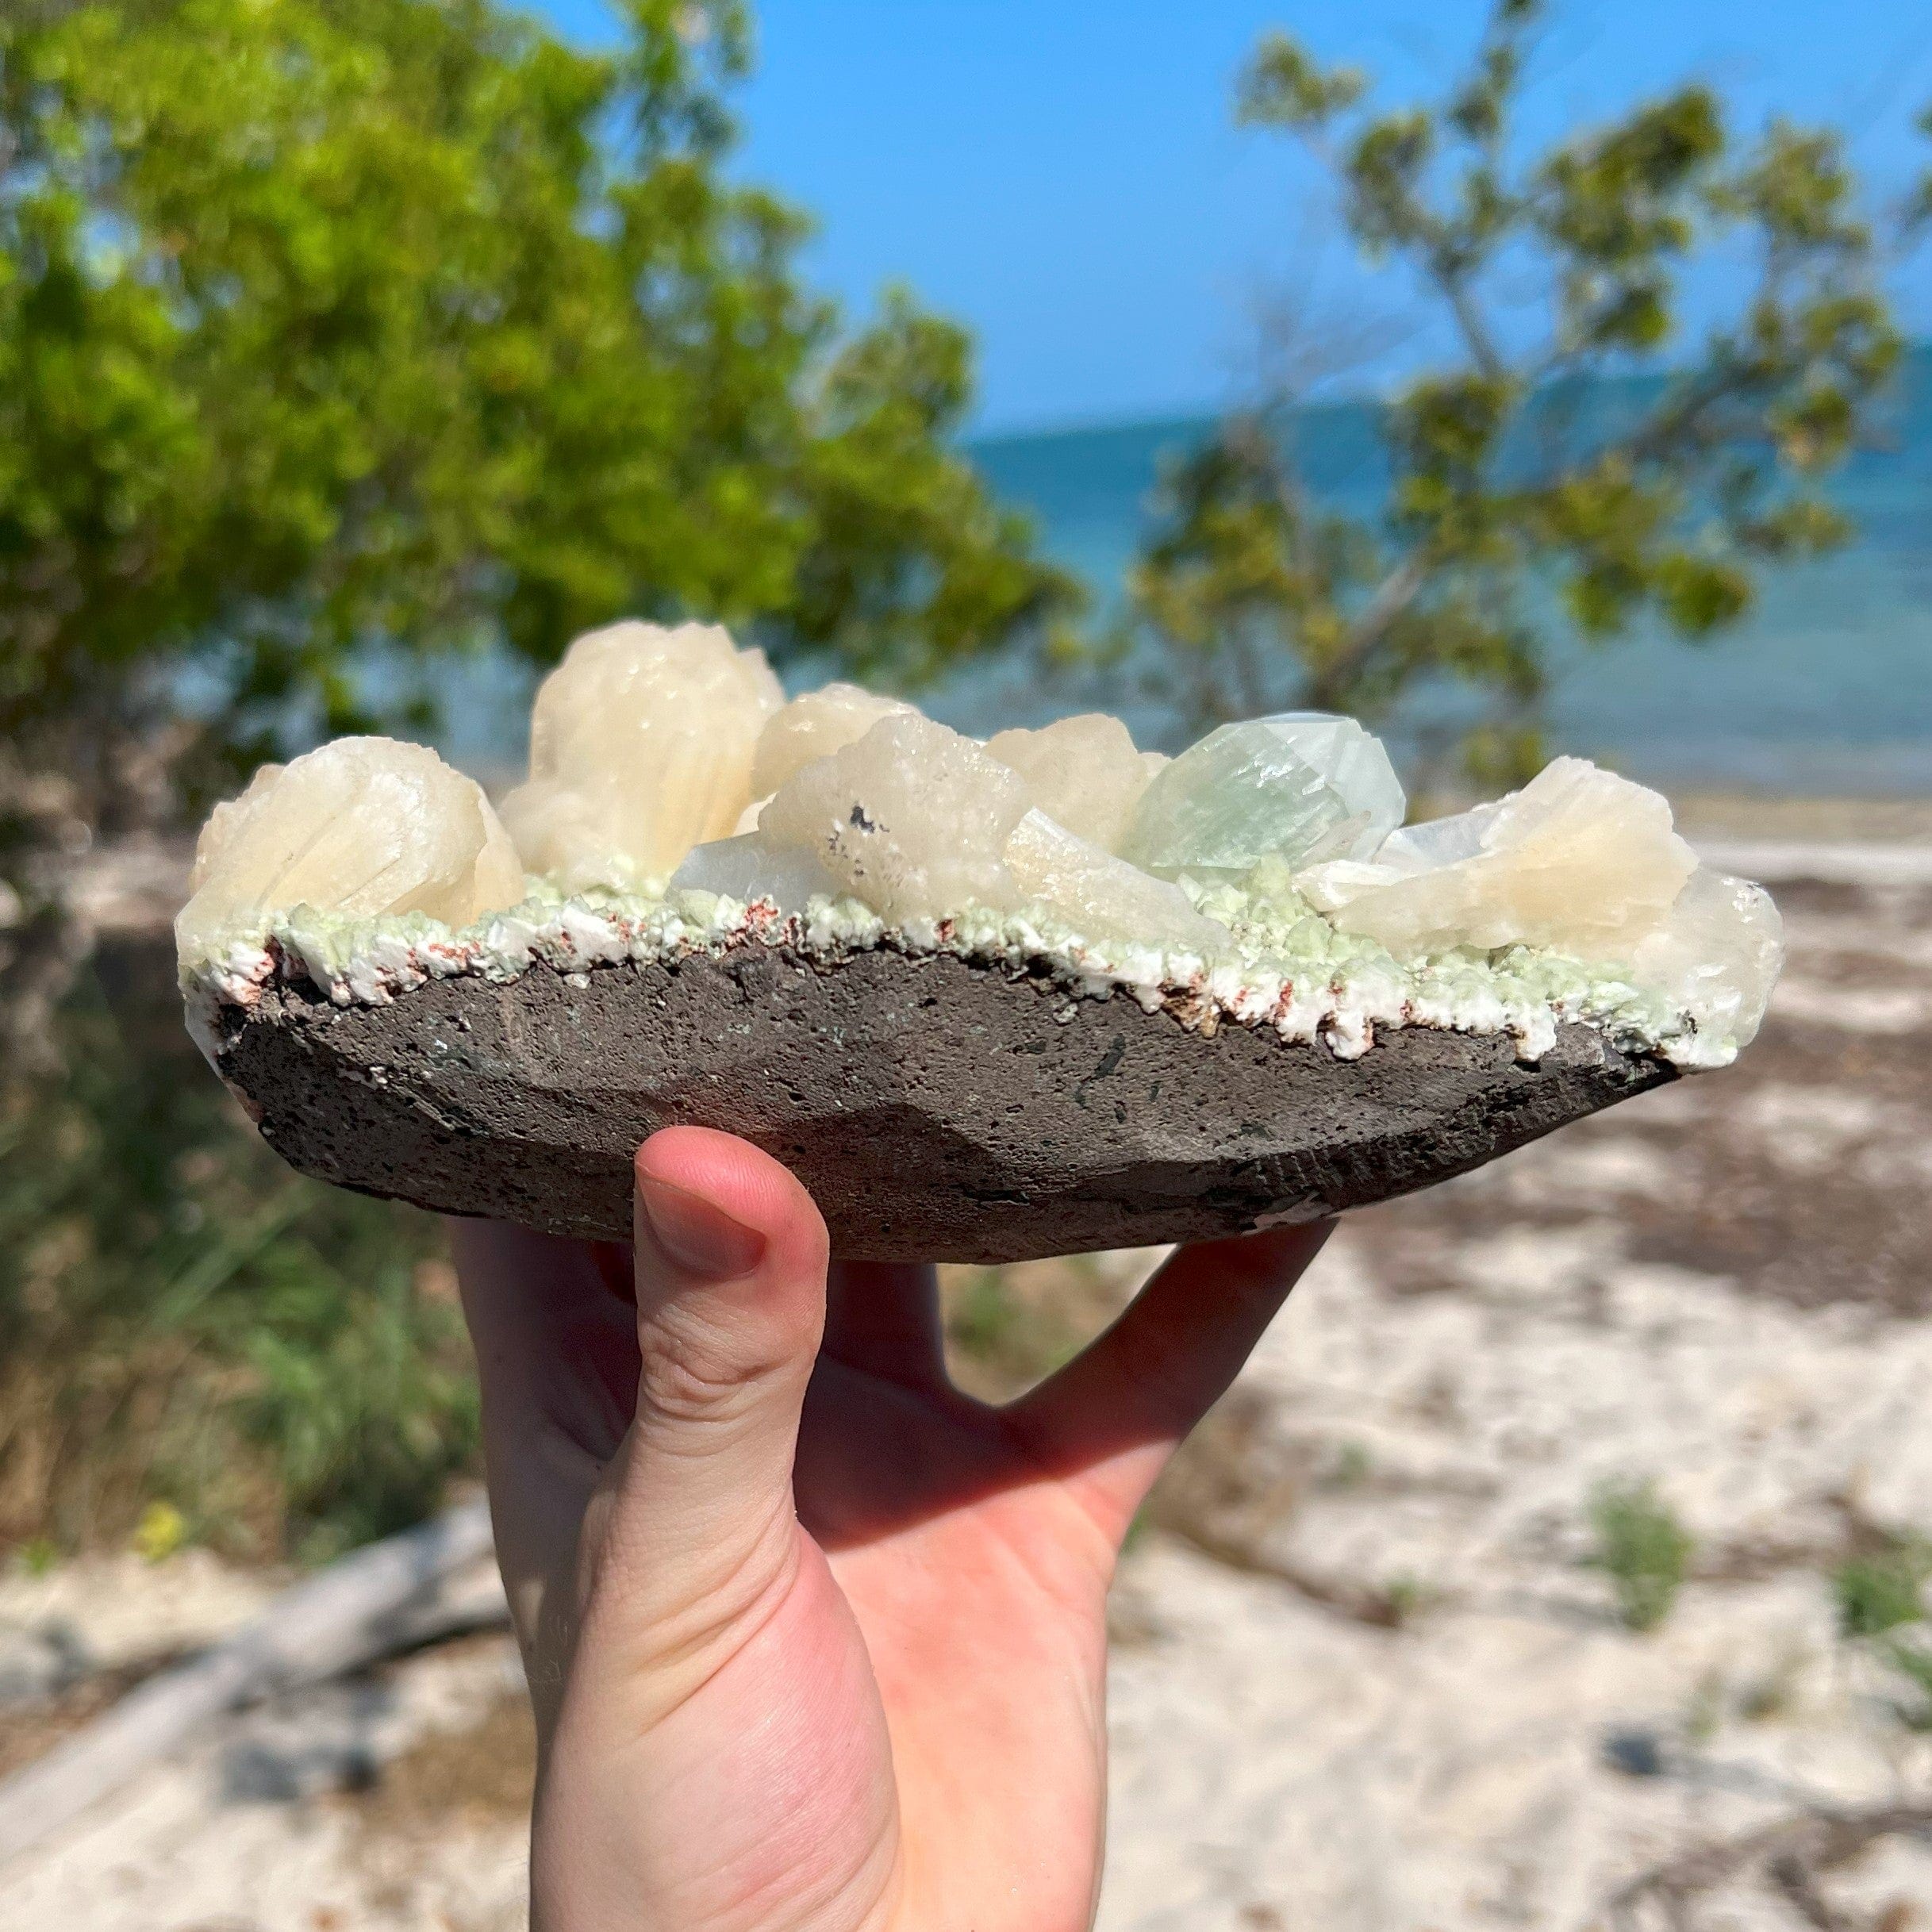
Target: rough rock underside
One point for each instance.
(935, 1108)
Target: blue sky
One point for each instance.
(1062, 175)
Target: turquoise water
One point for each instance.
(1826, 686)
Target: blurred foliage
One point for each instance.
(329, 322)
(196, 1344)
(336, 336)
(1878, 1592)
(1642, 1548)
(1579, 437)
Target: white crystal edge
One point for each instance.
(371, 961)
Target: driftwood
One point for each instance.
(387, 1597)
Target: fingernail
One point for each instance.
(695, 1234)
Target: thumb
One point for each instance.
(698, 1532)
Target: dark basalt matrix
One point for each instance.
(937, 1108)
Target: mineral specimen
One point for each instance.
(912, 819)
(1084, 773)
(1579, 859)
(1303, 787)
(988, 1000)
(1717, 955)
(814, 726)
(1102, 896)
(641, 746)
(364, 827)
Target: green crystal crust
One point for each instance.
(1285, 966)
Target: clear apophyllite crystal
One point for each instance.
(1084, 773)
(1579, 859)
(641, 747)
(814, 726)
(365, 826)
(1300, 787)
(1718, 954)
(912, 819)
(1102, 897)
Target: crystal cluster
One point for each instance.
(363, 827)
(667, 760)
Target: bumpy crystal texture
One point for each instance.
(1718, 954)
(912, 819)
(1084, 773)
(641, 746)
(814, 726)
(1303, 787)
(1579, 859)
(1103, 896)
(364, 826)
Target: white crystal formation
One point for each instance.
(1717, 955)
(814, 726)
(641, 746)
(364, 827)
(1303, 787)
(912, 819)
(1579, 859)
(1083, 772)
(1103, 897)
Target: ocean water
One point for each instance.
(1826, 687)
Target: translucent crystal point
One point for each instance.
(1301, 787)
(1084, 773)
(1579, 859)
(1103, 896)
(641, 746)
(912, 819)
(814, 726)
(1718, 954)
(364, 827)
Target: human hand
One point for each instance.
(817, 1642)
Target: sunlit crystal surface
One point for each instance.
(1579, 859)
(1101, 896)
(641, 746)
(364, 826)
(1302, 787)
(1083, 772)
(749, 867)
(1719, 953)
(814, 726)
(912, 820)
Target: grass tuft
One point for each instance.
(1643, 1548)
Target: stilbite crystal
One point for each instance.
(912, 819)
(1579, 859)
(1104, 896)
(1718, 954)
(1301, 787)
(365, 826)
(814, 726)
(641, 746)
(1084, 773)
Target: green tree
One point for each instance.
(1577, 442)
(330, 327)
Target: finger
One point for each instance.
(882, 1318)
(1109, 1421)
(698, 1529)
(556, 1354)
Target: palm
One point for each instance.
(883, 1711)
